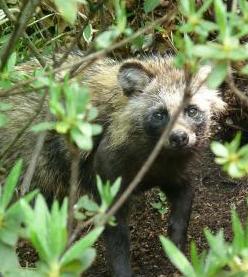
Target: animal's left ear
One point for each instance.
(133, 77)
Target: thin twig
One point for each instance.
(235, 90)
(74, 181)
(79, 227)
(28, 89)
(20, 26)
(25, 186)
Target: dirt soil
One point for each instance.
(215, 194)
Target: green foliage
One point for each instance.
(161, 204)
(87, 207)
(232, 157)
(68, 9)
(47, 230)
(11, 217)
(229, 28)
(105, 39)
(70, 103)
(222, 259)
(150, 5)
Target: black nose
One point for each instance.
(179, 139)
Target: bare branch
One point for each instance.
(74, 181)
(235, 90)
(32, 164)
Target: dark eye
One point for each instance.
(159, 116)
(192, 111)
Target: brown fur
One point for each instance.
(126, 94)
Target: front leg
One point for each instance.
(180, 198)
(109, 167)
(117, 245)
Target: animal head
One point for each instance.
(155, 89)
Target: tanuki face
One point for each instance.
(155, 90)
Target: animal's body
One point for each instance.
(136, 99)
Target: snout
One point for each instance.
(179, 138)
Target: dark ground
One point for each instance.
(215, 194)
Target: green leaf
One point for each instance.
(82, 99)
(92, 114)
(77, 250)
(195, 260)
(233, 146)
(238, 54)
(238, 232)
(9, 234)
(88, 33)
(62, 127)
(85, 128)
(43, 126)
(217, 243)
(115, 187)
(150, 5)
(209, 51)
(5, 106)
(177, 258)
(217, 75)
(10, 185)
(79, 266)
(243, 151)
(36, 226)
(185, 7)
(204, 7)
(82, 141)
(15, 209)
(11, 62)
(96, 129)
(234, 171)
(68, 9)
(57, 228)
(3, 120)
(106, 38)
(8, 258)
(244, 70)
(86, 203)
(120, 15)
(221, 17)
(219, 149)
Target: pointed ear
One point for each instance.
(133, 77)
